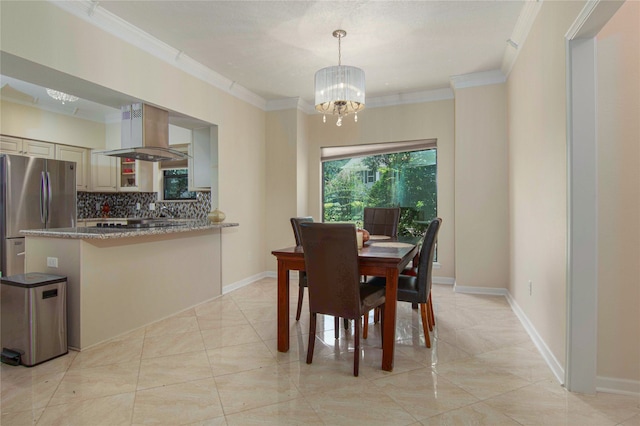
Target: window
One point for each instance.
(175, 185)
(384, 175)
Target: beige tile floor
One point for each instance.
(217, 364)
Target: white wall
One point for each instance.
(481, 187)
(281, 178)
(33, 123)
(618, 65)
(536, 99)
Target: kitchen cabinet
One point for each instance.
(31, 148)
(80, 156)
(135, 175)
(200, 160)
(10, 145)
(127, 174)
(104, 173)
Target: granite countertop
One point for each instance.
(90, 232)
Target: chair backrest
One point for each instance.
(382, 220)
(295, 224)
(425, 262)
(331, 261)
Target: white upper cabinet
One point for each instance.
(10, 145)
(17, 146)
(200, 160)
(104, 173)
(80, 156)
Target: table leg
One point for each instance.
(283, 307)
(390, 319)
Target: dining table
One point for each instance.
(380, 256)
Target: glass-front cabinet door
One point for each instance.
(135, 175)
(128, 174)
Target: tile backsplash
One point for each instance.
(123, 204)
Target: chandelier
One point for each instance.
(339, 89)
(61, 96)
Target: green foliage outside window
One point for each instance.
(176, 185)
(406, 180)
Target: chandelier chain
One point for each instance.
(339, 49)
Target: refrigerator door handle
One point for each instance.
(48, 196)
(43, 198)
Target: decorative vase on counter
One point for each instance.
(216, 216)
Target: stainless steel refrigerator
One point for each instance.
(35, 193)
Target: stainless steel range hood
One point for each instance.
(145, 135)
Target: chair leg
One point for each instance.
(300, 297)
(433, 318)
(365, 325)
(356, 352)
(381, 309)
(376, 315)
(312, 337)
(346, 323)
(429, 315)
(336, 327)
(425, 325)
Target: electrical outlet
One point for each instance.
(530, 287)
(152, 206)
(137, 206)
(52, 262)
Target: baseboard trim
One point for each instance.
(443, 280)
(547, 355)
(486, 291)
(618, 386)
(239, 284)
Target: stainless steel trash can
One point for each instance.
(34, 316)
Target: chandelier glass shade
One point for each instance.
(339, 89)
(61, 96)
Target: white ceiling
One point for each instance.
(274, 48)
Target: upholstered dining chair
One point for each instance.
(417, 289)
(302, 275)
(381, 220)
(333, 280)
(413, 271)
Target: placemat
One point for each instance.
(392, 244)
(379, 237)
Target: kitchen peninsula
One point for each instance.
(120, 279)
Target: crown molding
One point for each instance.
(592, 18)
(519, 35)
(376, 102)
(410, 98)
(475, 79)
(91, 12)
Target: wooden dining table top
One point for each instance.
(390, 248)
